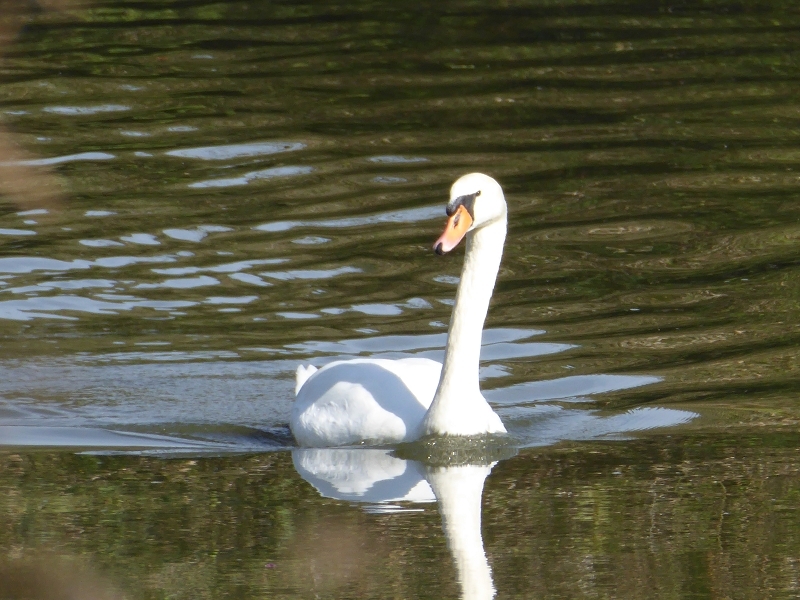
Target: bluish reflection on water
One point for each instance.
(91, 437)
(403, 216)
(57, 160)
(246, 178)
(196, 393)
(236, 150)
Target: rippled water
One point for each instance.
(196, 197)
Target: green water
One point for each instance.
(196, 197)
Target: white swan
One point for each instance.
(389, 401)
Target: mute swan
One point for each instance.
(390, 401)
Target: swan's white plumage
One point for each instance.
(389, 401)
(364, 400)
(301, 376)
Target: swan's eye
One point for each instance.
(456, 219)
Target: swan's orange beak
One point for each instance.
(457, 226)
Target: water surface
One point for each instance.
(196, 197)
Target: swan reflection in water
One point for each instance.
(378, 477)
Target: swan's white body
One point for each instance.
(389, 401)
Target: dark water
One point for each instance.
(196, 197)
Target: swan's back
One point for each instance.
(363, 400)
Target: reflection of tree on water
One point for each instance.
(22, 181)
(52, 577)
(376, 476)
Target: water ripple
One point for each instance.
(252, 176)
(85, 110)
(577, 386)
(45, 307)
(24, 232)
(236, 150)
(389, 159)
(57, 160)
(412, 215)
(185, 283)
(309, 273)
(233, 267)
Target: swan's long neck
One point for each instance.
(458, 386)
(459, 490)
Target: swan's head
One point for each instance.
(476, 200)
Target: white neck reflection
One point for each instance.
(375, 476)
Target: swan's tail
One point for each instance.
(302, 375)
